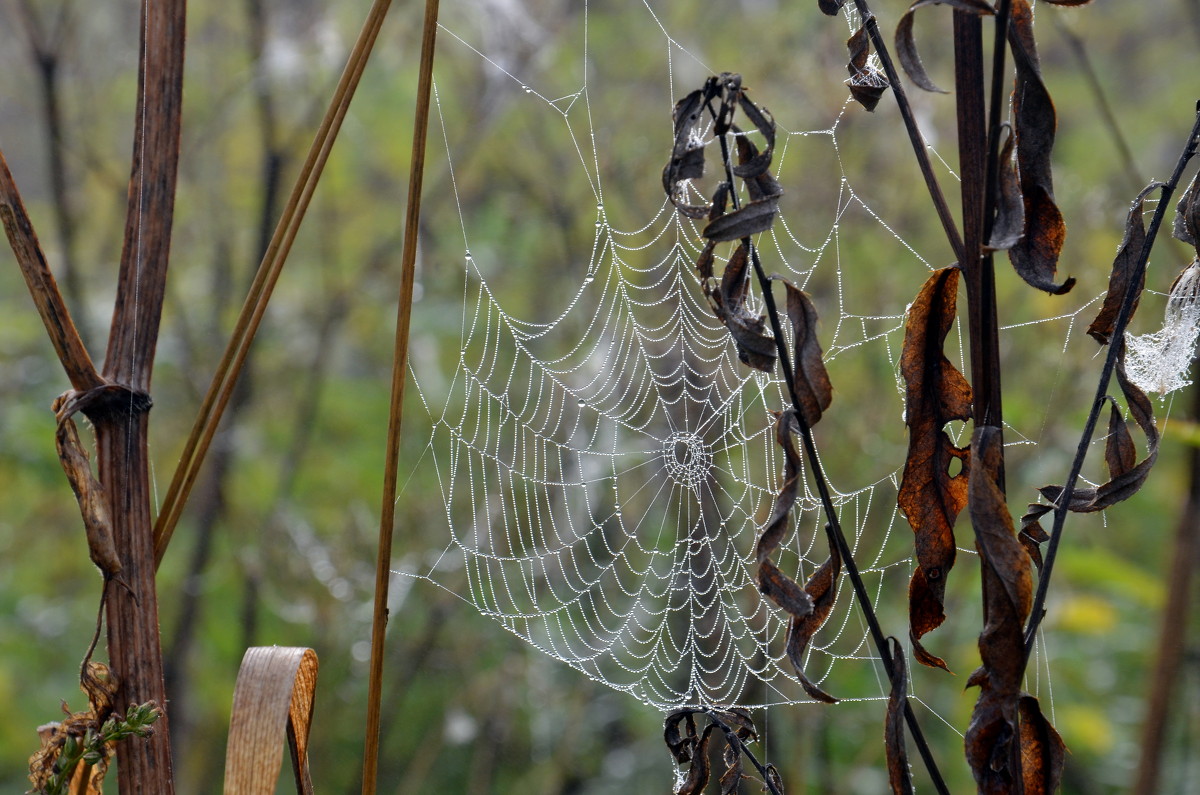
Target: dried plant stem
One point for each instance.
(387, 518)
(224, 380)
(833, 527)
(1038, 611)
(42, 286)
(914, 131)
(732, 738)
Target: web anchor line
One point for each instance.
(833, 527)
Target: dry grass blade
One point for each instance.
(42, 286)
(225, 378)
(273, 699)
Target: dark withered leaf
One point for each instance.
(1043, 752)
(867, 84)
(772, 534)
(1032, 535)
(762, 185)
(1008, 596)
(814, 392)
(831, 7)
(687, 156)
(1187, 215)
(89, 493)
(859, 46)
(755, 349)
(1009, 223)
(740, 721)
(822, 588)
(1122, 270)
(906, 46)
(756, 164)
(731, 779)
(936, 393)
(679, 732)
(782, 590)
(899, 775)
(1119, 452)
(1123, 484)
(1068, 2)
(1035, 256)
(749, 219)
(701, 770)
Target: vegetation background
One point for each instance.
(276, 547)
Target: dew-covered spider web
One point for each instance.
(605, 461)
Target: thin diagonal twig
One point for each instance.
(1038, 610)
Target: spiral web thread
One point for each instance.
(606, 467)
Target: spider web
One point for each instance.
(605, 461)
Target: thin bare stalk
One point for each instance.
(387, 513)
(1038, 611)
(226, 376)
(914, 130)
(833, 526)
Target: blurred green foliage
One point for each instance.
(468, 707)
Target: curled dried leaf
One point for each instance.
(867, 83)
(1008, 596)
(830, 7)
(936, 393)
(1187, 215)
(749, 219)
(1035, 256)
(1123, 268)
(1009, 223)
(1043, 752)
(89, 493)
(906, 46)
(814, 392)
(755, 349)
(822, 588)
(1125, 479)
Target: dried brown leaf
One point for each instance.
(1043, 752)
(906, 46)
(1125, 482)
(1008, 596)
(772, 534)
(814, 392)
(1009, 223)
(755, 349)
(687, 156)
(93, 504)
(822, 588)
(1122, 270)
(899, 775)
(1187, 215)
(753, 164)
(681, 742)
(701, 770)
(936, 393)
(1035, 256)
(749, 219)
(867, 83)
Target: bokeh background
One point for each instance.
(277, 544)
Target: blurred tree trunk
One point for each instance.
(1173, 637)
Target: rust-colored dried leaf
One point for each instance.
(906, 46)
(1122, 270)
(1035, 256)
(1008, 596)
(899, 775)
(1043, 752)
(1009, 224)
(814, 392)
(822, 588)
(867, 83)
(936, 393)
(782, 590)
(93, 504)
